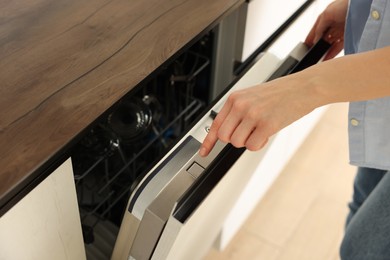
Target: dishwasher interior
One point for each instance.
(120, 148)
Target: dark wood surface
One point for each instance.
(63, 63)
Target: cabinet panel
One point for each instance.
(45, 224)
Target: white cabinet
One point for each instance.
(262, 19)
(45, 224)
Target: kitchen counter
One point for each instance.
(64, 63)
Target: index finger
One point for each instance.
(208, 143)
(309, 41)
(212, 136)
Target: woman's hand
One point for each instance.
(330, 25)
(250, 116)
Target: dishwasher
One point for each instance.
(143, 191)
(186, 195)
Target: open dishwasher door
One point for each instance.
(178, 209)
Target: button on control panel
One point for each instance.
(195, 170)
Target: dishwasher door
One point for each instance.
(178, 209)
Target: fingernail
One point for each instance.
(202, 151)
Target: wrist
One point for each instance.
(312, 88)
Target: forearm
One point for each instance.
(356, 77)
(250, 116)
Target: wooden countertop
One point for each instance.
(65, 62)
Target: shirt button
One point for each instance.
(354, 122)
(375, 15)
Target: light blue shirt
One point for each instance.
(368, 28)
